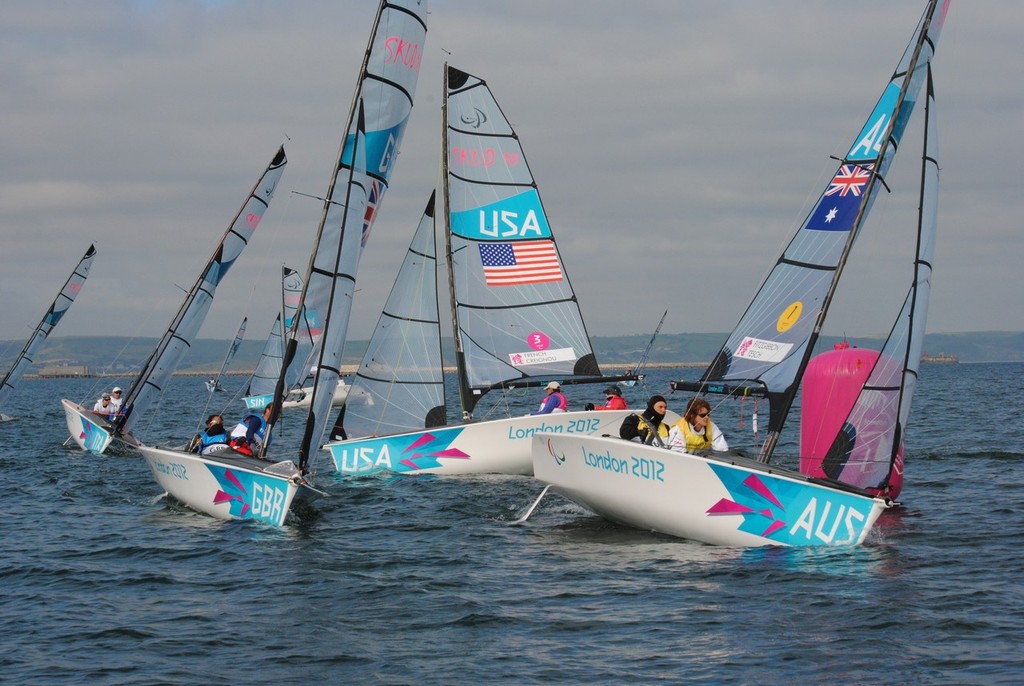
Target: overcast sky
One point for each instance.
(677, 145)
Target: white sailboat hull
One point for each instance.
(89, 430)
(297, 398)
(228, 487)
(729, 501)
(500, 446)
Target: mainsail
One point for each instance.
(770, 347)
(53, 315)
(214, 384)
(516, 318)
(268, 367)
(400, 382)
(186, 323)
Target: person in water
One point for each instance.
(695, 431)
(614, 401)
(554, 401)
(212, 439)
(654, 415)
(249, 435)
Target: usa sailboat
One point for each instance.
(49, 321)
(230, 485)
(515, 317)
(213, 385)
(853, 468)
(94, 432)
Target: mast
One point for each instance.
(782, 408)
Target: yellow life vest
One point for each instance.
(696, 441)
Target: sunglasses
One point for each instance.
(703, 414)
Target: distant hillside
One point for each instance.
(117, 356)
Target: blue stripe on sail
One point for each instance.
(870, 140)
(380, 149)
(517, 218)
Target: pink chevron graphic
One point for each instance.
(773, 527)
(728, 507)
(757, 486)
(422, 440)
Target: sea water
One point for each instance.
(424, 580)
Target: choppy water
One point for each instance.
(423, 581)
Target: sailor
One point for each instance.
(104, 406)
(615, 401)
(554, 401)
(694, 431)
(247, 438)
(212, 439)
(632, 427)
(115, 398)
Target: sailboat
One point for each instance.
(515, 317)
(213, 385)
(53, 315)
(95, 432)
(852, 470)
(263, 382)
(230, 485)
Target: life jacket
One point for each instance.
(239, 433)
(207, 441)
(616, 402)
(563, 404)
(696, 441)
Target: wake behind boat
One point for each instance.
(856, 402)
(516, 320)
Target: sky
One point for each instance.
(677, 145)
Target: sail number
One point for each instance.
(789, 316)
(482, 158)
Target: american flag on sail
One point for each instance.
(838, 207)
(522, 262)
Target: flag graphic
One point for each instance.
(838, 207)
(523, 262)
(372, 203)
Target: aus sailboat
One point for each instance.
(853, 426)
(515, 317)
(261, 487)
(95, 432)
(49, 321)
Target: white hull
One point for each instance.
(90, 431)
(297, 398)
(500, 446)
(730, 501)
(224, 487)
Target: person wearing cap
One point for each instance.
(554, 401)
(212, 439)
(633, 428)
(615, 400)
(115, 398)
(104, 406)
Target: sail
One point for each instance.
(386, 87)
(330, 285)
(871, 440)
(185, 325)
(232, 349)
(268, 367)
(516, 316)
(400, 382)
(53, 315)
(771, 344)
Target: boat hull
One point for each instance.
(227, 488)
(731, 501)
(299, 398)
(500, 446)
(90, 431)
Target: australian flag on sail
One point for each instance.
(838, 207)
(521, 262)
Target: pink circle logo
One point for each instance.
(538, 341)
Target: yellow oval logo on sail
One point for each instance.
(789, 317)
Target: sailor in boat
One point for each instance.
(638, 426)
(614, 401)
(695, 430)
(115, 398)
(554, 401)
(247, 438)
(212, 439)
(105, 406)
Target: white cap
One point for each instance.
(553, 386)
